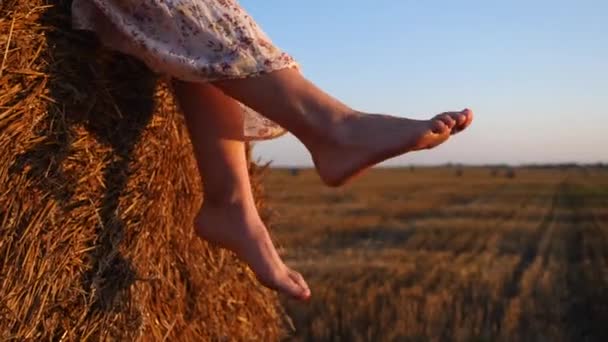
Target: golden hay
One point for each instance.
(98, 189)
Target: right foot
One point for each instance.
(368, 139)
(238, 228)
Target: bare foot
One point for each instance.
(238, 228)
(368, 139)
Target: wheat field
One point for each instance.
(442, 254)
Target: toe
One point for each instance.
(293, 285)
(439, 127)
(447, 119)
(289, 287)
(469, 115)
(463, 120)
(299, 280)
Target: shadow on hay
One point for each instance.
(86, 81)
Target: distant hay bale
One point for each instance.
(511, 173)
(98, 193)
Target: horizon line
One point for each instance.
(454, 165)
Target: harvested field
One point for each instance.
(442, 254)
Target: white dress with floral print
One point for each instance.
(191, 40)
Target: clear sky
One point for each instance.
(534, 72)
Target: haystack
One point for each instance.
(98, 189)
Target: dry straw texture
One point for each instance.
(98, 191)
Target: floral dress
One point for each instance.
(191, 40)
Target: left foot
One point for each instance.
(367, 139)
(237, 227)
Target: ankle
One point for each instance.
(228, 199)
(335, 132)
(239, 216)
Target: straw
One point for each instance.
(98, 191)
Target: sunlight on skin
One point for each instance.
(342, 142)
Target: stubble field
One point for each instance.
(447, 254)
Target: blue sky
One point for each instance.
(534, 72)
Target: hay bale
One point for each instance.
(510, 173)
(98, 192)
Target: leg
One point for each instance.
(228, 216)
(342, 141)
